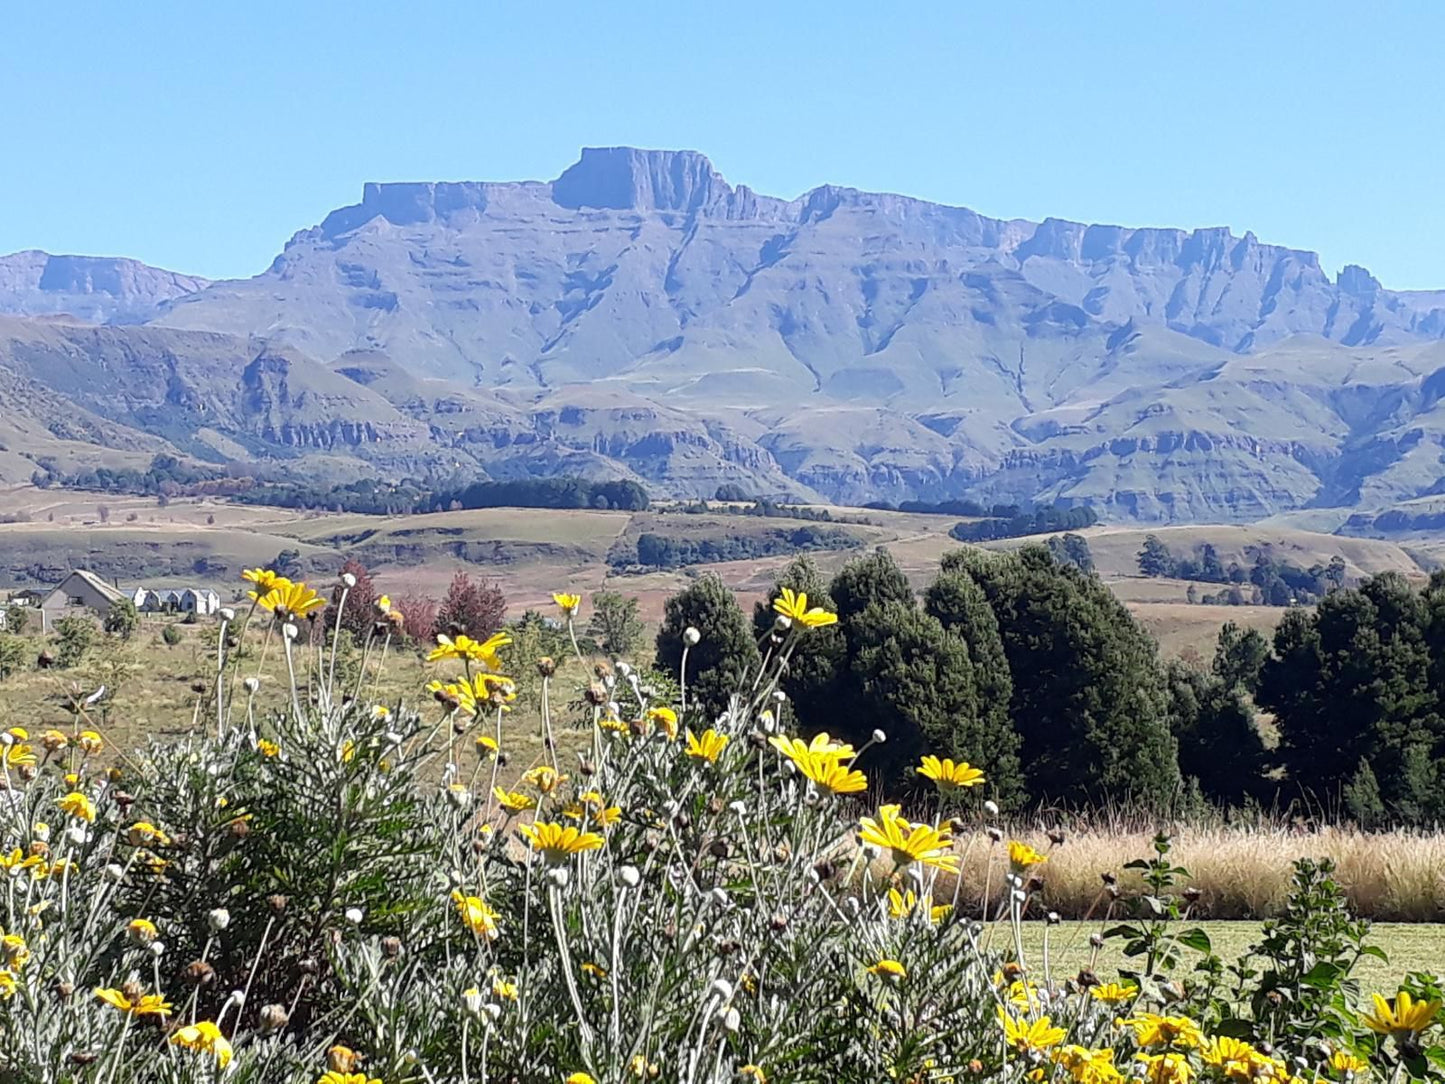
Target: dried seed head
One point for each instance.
(198, 972)
(277, 903)
(1192, 894)
(596, 694)
(546, 666)
(391, 947)
(83, 1057)
(1109, 878)
(719, 848)
(132, 990)
(274, 1017)
(64, 989)
(341, 1059)
(778, 923)
(1056, 836)
(995, 834)
(1086, 979)
(308, 965)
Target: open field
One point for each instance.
(537, 551)
(1410, 946)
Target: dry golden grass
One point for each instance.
(1240, 872)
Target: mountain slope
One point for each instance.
(95, 288)
(639, 316)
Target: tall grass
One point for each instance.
(1240, 872)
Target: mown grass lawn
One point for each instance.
(1411, 946)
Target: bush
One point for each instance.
(13, 652)
(122, 619)
(171, 634)
(74, 636)
(17, 619)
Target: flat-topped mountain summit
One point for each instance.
(842, 344)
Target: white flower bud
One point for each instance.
(493, 1011)
(227, 614)
(629, 877)
(348, 580)
(6, 738)
(690, 636)
(251, 684)
(218, 919)
(290, 631)
(721, 989)
(459, 795)
(739, 807)
(624, 669)
(112, 872)
(1054, 919)
(411, 1057)
(782, 622)
(991, 808)
(609, 682)
(237, 997)
(559, 876)
(720, 897)
(879, 736)
(78, 835)
(852, 906)
(391, 737)
(780, 696)
(158, 948)
(732, 1020)
(354, 915)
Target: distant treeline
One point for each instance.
(624, 495)
(762, 506)
(948, 508)
(1268, 581)
(1039, 521)
(662, 551)
(168, 477)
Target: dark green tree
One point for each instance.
(957, 601)
(1352, 682)
(1072, 549)
(1239, 655)
(864, 581)
(723, 656)
(1219, 745)
(1088, 699)
(1155, 558)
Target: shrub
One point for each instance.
(12, 655)
(724, 652)
(122, 619)
(171, 634)
(74, 636)
(17, 619)
(615, 625)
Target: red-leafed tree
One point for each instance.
(474, 607)
(360, 612)
(419, 615)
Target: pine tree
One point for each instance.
(723, 656)
(1239, 655)
(875, 578)
(1088, 698)
(1219, 745)
(1155, 558)
(960, 605)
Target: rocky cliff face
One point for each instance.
(92, 288)
(641, 316)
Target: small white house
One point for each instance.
(201, 601)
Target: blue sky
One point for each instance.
(201, 136)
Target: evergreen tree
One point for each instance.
(1219, 745)
(1088, 697)
(959, 604)
(122, 619)
(724, 655)
(1353, 682)
(875, 578)
(1239, 655)
(1155, 558)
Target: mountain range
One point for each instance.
(641, 317)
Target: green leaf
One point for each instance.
(1323, 975)
(1196, 939)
